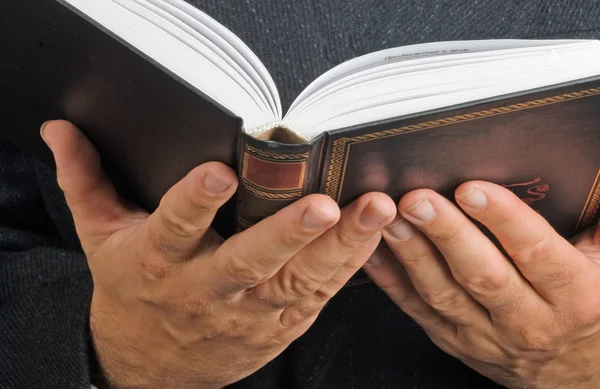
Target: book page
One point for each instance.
(233, 47)
(183, 28)
(438, 50)
(417, 81)
(390, 72)
(195, 53)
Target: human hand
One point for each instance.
(176, 306)
(533, 325)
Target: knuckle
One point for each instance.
(446, 301)
(445, 336)
(308, 309)
(325, 293)
(445, 235)
(587, 310)
(155, 267)
(289, 239)
(487, 349)
(212, 327)
(346, 237)
(263, 292)
(195, 308)
(488, 283)
(581, 317)
(560, 270)
(562, 278)
(244, 271)
(560, 274)
(536, 339)
(177, 224)
(540, 249)
(159, 244)
(274, 297)
(212, 330)
(267, 341)
(301, 282)
(234, 325)
(300, 313)
(416, 258)
(408, 301)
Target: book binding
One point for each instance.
(274, 174)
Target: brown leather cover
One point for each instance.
(150, 127)
(544, 145)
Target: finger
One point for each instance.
(586, 242)
(431, 277)
(391, 277)
(557, 271)
(359, 225)
(188, 209)
(92, 199)
(472, 258)
(312, 305)
(256, 254)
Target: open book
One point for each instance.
(161, 87)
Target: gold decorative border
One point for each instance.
(341, 146)
(270, 195)
(266, 155)
(243, 224)
(590, 210)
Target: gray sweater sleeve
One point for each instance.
(45, 285)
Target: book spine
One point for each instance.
(273, 175)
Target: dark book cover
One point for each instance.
(543, 145)
(151, 128)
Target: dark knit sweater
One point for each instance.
(361, 340)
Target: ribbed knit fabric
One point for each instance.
(361, 340)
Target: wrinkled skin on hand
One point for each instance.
(177, 306)
(534, 324)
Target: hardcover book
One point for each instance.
(159, 87)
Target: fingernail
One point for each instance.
(215, 185)
(42, 129)
(314, 220)
(422, 211)
(401, 230)
(474, 198)
(372, 216)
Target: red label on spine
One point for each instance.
(273, 175)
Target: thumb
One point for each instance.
(92, 199)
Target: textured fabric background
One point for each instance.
(361, 340)
(301, 39)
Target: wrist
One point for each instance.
(127, 359)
